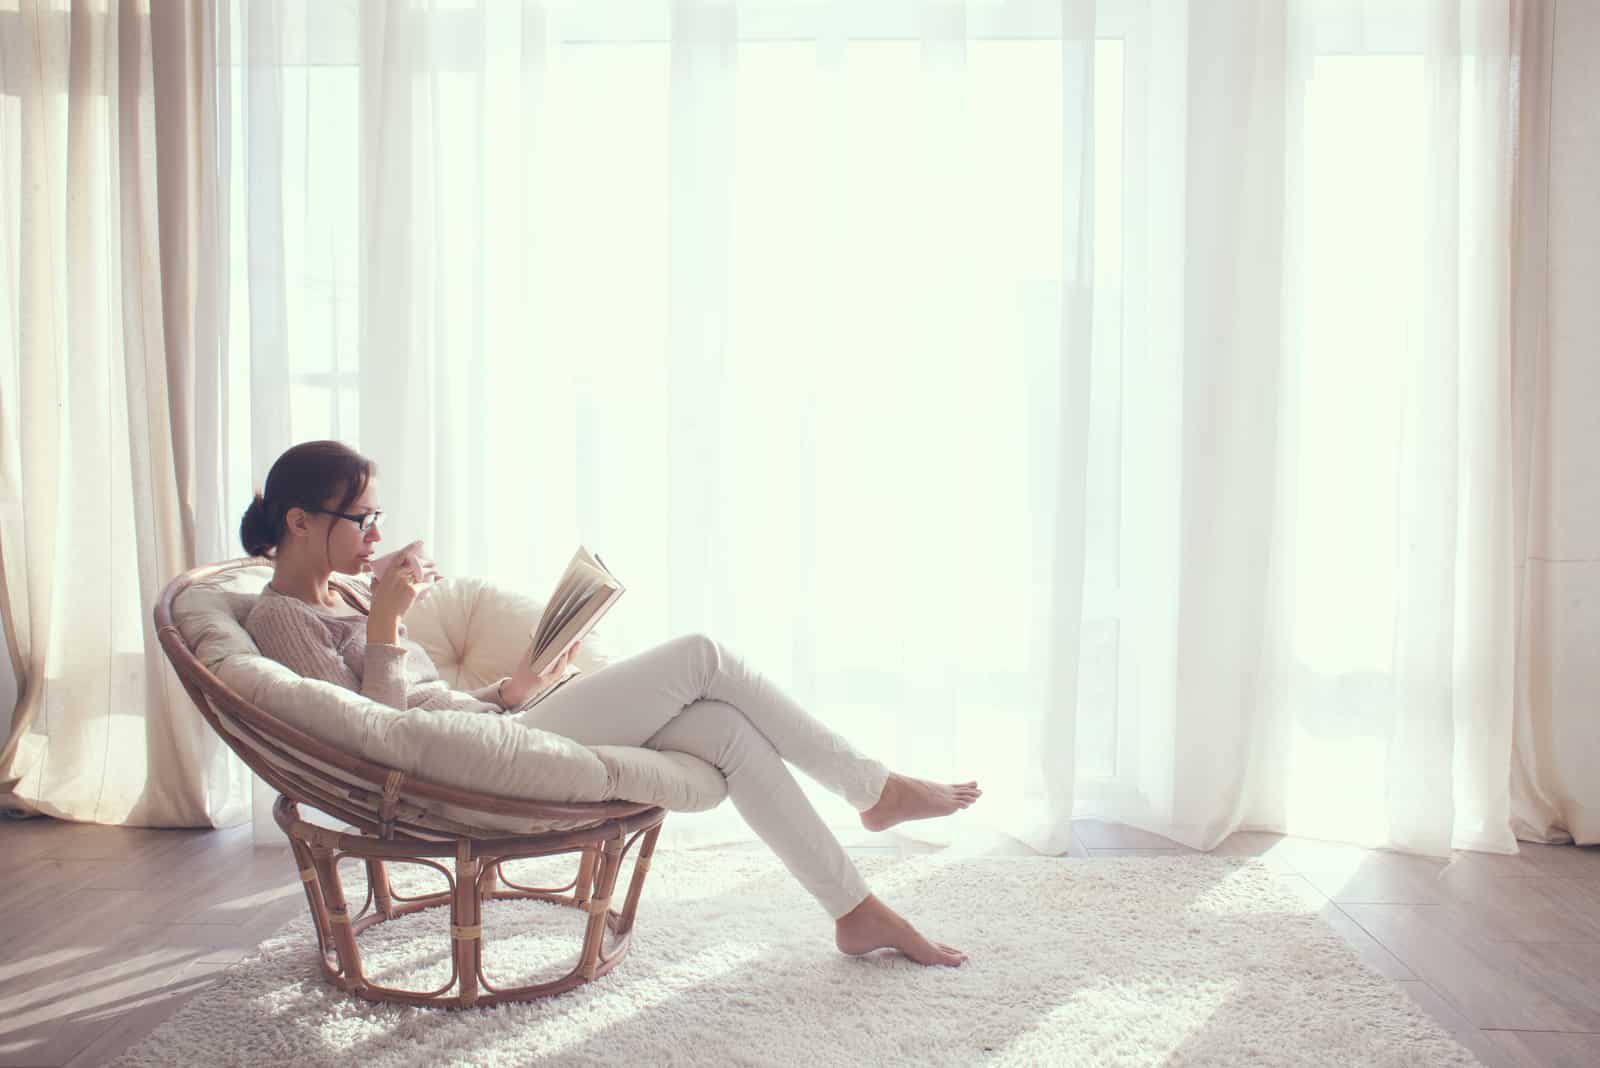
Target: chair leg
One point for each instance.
(594, 936)
(641, 865)
(585, 888)
(378, 876)
(489, 881)
(466, 933)
(308, 879)
(344, 940)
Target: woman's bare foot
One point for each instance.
(874, 925)
(905, 798)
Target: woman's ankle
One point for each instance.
(891, 786)
(869, 905)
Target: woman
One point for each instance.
(319, 514)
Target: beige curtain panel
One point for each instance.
(1555, 793)
(112, 313)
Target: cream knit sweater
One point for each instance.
(331, 644)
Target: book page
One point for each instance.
(558, 596)
(562, 623)
(575, 629)
(565, 601)
(547, 621)
(578, 604)
(585, 591)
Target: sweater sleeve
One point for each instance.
(297, 639)
(385, 676)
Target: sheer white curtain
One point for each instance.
(1339, 611)
(1108, 401)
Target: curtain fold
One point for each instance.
(1234, 354)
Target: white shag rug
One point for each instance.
(1172, 961)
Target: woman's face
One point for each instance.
(348, 548)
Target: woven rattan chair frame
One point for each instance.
(395, 820)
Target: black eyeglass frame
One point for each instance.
(364, 521)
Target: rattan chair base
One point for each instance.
(476, 878)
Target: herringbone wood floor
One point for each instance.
(106, 931)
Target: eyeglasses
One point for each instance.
(365, 520)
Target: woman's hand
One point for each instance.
(415, 555)
(525, 684)
(392, 597)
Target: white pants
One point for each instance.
(694, 695)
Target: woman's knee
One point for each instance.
(701, 643)
(702, 651)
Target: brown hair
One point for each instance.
(306, 476)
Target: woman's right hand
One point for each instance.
(524, 684)
(393, 594)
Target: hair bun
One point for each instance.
(257, 530)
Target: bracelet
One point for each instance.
(500, 693)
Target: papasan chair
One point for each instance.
(459, 792)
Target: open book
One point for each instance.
(583, 594)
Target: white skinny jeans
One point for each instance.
(694, 695)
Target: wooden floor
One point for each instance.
(105, 932)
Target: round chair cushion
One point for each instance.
(473, 631)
